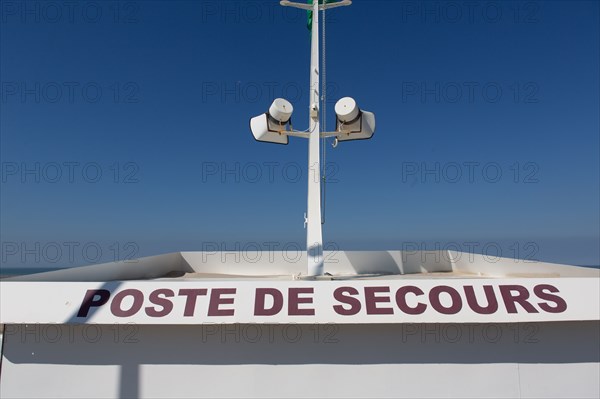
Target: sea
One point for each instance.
(22, 271)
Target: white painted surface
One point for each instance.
(260, 127)
(278, 262)
(281, 109)
(546, 359)
(522, 360)
(564, 380)
(346, 109)
(39, 302)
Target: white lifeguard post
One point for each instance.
(380, 324)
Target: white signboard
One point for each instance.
(261, 301)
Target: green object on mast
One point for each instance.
(309, 13)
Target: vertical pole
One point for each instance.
(314, 234)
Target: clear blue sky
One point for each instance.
(124, 128)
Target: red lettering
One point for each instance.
(434, 299)
(216, 301)
(138, 301)
(540, 291)
(190, 302)
(295, 300)
(354, 303)
(492, 302)
(371, 300)
(401, 300)
(520, 297)
(89, 301)
(162, 301)
(259, 304)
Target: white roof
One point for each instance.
(360, 287)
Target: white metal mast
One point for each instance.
(275, 127)
(314, 232)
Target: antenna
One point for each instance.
(275, 126)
